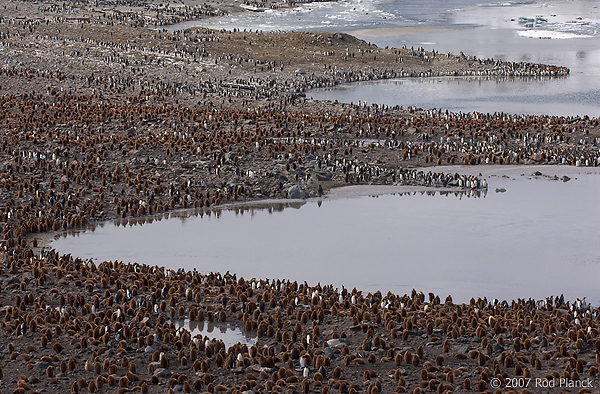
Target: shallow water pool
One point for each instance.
(528, 236)
(229, 333)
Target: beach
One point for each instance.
(106, 116)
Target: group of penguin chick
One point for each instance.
(76, 325)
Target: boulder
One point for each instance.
(162, 373)
(337, 342)
(230, 156)
(322, 176)
(296, 192)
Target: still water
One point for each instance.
(229, 333)
(539, 96)
(559, 32)
(537, 238)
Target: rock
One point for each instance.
(229, 156)
(151, 348)
(329, 352)
(500, 190)
(300, 71)
(256, 368)
(537, 173)
(296, 192)
(322, 176)
(463, 349)
(162, 373)
(42, 365)
(566, 178)
(337, 342)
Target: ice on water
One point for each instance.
(548, 34)
(576, 19)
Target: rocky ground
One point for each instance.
(103, 117)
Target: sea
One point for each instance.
(558, 32)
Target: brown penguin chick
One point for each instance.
(467, 384)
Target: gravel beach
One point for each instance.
(104, 115)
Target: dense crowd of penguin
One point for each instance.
(98, 133)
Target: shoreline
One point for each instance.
(103, 118)
(352, 191)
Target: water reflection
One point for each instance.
(533, 235)
(251, 209)
(229, 333)
(271, 206)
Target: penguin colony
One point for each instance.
(102, 118)
(110, 327)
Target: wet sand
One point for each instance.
(103, 117)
